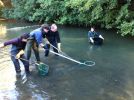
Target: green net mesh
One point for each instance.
(42, 69)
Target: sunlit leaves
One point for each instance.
(127, 28)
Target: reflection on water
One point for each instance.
(7, 81)
(2, 31)
(21, 28)
(110, 79)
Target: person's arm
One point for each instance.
(91, 39)
(1, 45)
(57, 37)
(90, 36)
(45, 38)
(12, 41)
(38, 38)
(19, 54)
(59, 46)
(100, 36)
(58, 40)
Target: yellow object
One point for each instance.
(19, 54)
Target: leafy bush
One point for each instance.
(127, 28)
(105, 13)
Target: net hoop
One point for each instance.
(89, 63)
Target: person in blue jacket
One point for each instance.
(35, 40)
(94, 37)
(17, 52)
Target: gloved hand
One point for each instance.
(41, 45)
(19, 54)
(59, 47)
(92, 41)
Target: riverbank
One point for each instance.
(7, 20)
(1, 19)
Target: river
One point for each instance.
(110, 79)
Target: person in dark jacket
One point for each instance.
(53, 39)
(17, 51)
(94, 37)
(35, 40)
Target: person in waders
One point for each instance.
(17, 52)
(35, 40)
(53, 39)
(94, 37)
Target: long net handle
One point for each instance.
(19, 58)
(66, 57)
(76, 61)
(86, 63)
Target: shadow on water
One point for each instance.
(110, 79)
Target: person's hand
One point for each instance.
(59, 50)
(1, 45)
(92, 41)
(59, 47)
(100, 36)
(18, 56)
(41, 45)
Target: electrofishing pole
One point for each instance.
(86, 63)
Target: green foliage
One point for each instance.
(124, 21)
(127, 28)
(104, 13)
(123, 14)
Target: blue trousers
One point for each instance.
(14, 52)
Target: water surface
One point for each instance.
(110, 79)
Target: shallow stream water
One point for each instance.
(110, 79)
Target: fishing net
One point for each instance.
(42, 69)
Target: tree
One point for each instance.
(104, 13)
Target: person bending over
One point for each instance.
(35, 40)
(17, 52)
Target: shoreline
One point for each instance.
(7, 20)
